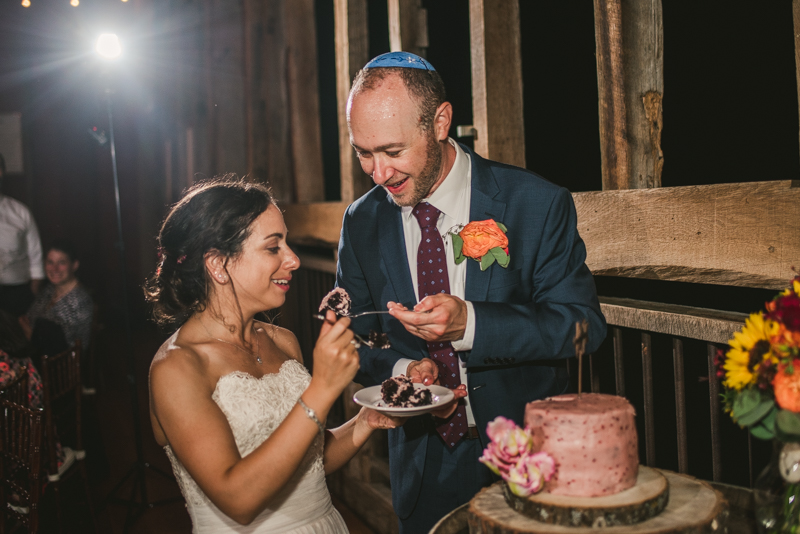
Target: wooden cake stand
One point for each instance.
(693, 507)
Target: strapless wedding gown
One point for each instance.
(254, 408)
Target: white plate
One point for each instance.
(371, 398)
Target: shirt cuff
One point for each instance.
(401, 366)
(465, 344)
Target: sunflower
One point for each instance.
(749, 348)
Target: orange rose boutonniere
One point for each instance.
(483, 241)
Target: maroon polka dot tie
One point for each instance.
(432, 278)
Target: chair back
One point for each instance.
(61, 381)
(20, 463)
(17, 389)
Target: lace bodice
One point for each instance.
(255, 407)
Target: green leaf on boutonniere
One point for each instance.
(458, 245)
(502, 227)
(500, 255)
(487, 260)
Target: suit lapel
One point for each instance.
(393, 251)
(482, 207)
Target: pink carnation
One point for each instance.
(544, 463)
(508, 443)
(524, 477)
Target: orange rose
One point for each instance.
(787, 387)
(480, 236)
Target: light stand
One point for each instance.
(138, 472)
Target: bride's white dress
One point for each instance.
(254, 408)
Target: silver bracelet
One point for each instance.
(311, 414)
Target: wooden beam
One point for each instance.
(497, 80)
(727, 234)
(305, 130)
(352, 53)
(705, 324)
(630, 79)
(315, 224)
(408, 26)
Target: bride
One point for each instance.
(238, 415)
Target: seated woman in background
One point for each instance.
(63, 302)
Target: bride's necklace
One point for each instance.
(253, 354)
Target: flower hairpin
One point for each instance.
(180, 260)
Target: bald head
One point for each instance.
(424, 87)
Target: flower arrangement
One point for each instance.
(761, 370)
(510, 455)
(483, 241)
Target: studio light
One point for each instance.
(74, 3)
(108, 46)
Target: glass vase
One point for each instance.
(776, 492)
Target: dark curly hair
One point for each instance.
(213, 215)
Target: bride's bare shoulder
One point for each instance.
(284, 339)
(178, 358)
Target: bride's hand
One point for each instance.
(335, 356)
(378, 421)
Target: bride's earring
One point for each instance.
(221, 278)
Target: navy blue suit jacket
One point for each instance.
(525, 314)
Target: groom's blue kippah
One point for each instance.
(403, 60)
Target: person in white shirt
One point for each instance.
(21, 268)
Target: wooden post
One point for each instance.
(305, 130)
(796, 17)
(497, 80)
(630, 80)
(352, 51)
(408, 26)
(269, 154)
(225, 125)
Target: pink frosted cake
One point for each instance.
(592, 439)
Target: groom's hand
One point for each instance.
(424, 372)
(440, 317)
(447, 410)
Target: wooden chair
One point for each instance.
(20, 465)
(61, 377)
(17, 390)
(91, 376)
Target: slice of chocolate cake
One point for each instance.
(398, 392)
(337, 300)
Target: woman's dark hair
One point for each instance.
(65, 246)
(214, 215)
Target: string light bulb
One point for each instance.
(26, 3)
(74, 3)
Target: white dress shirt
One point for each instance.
(20, 247)
(452, 198)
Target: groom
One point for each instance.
(498, 337)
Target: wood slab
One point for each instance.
(694, 507)
(646, 499)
